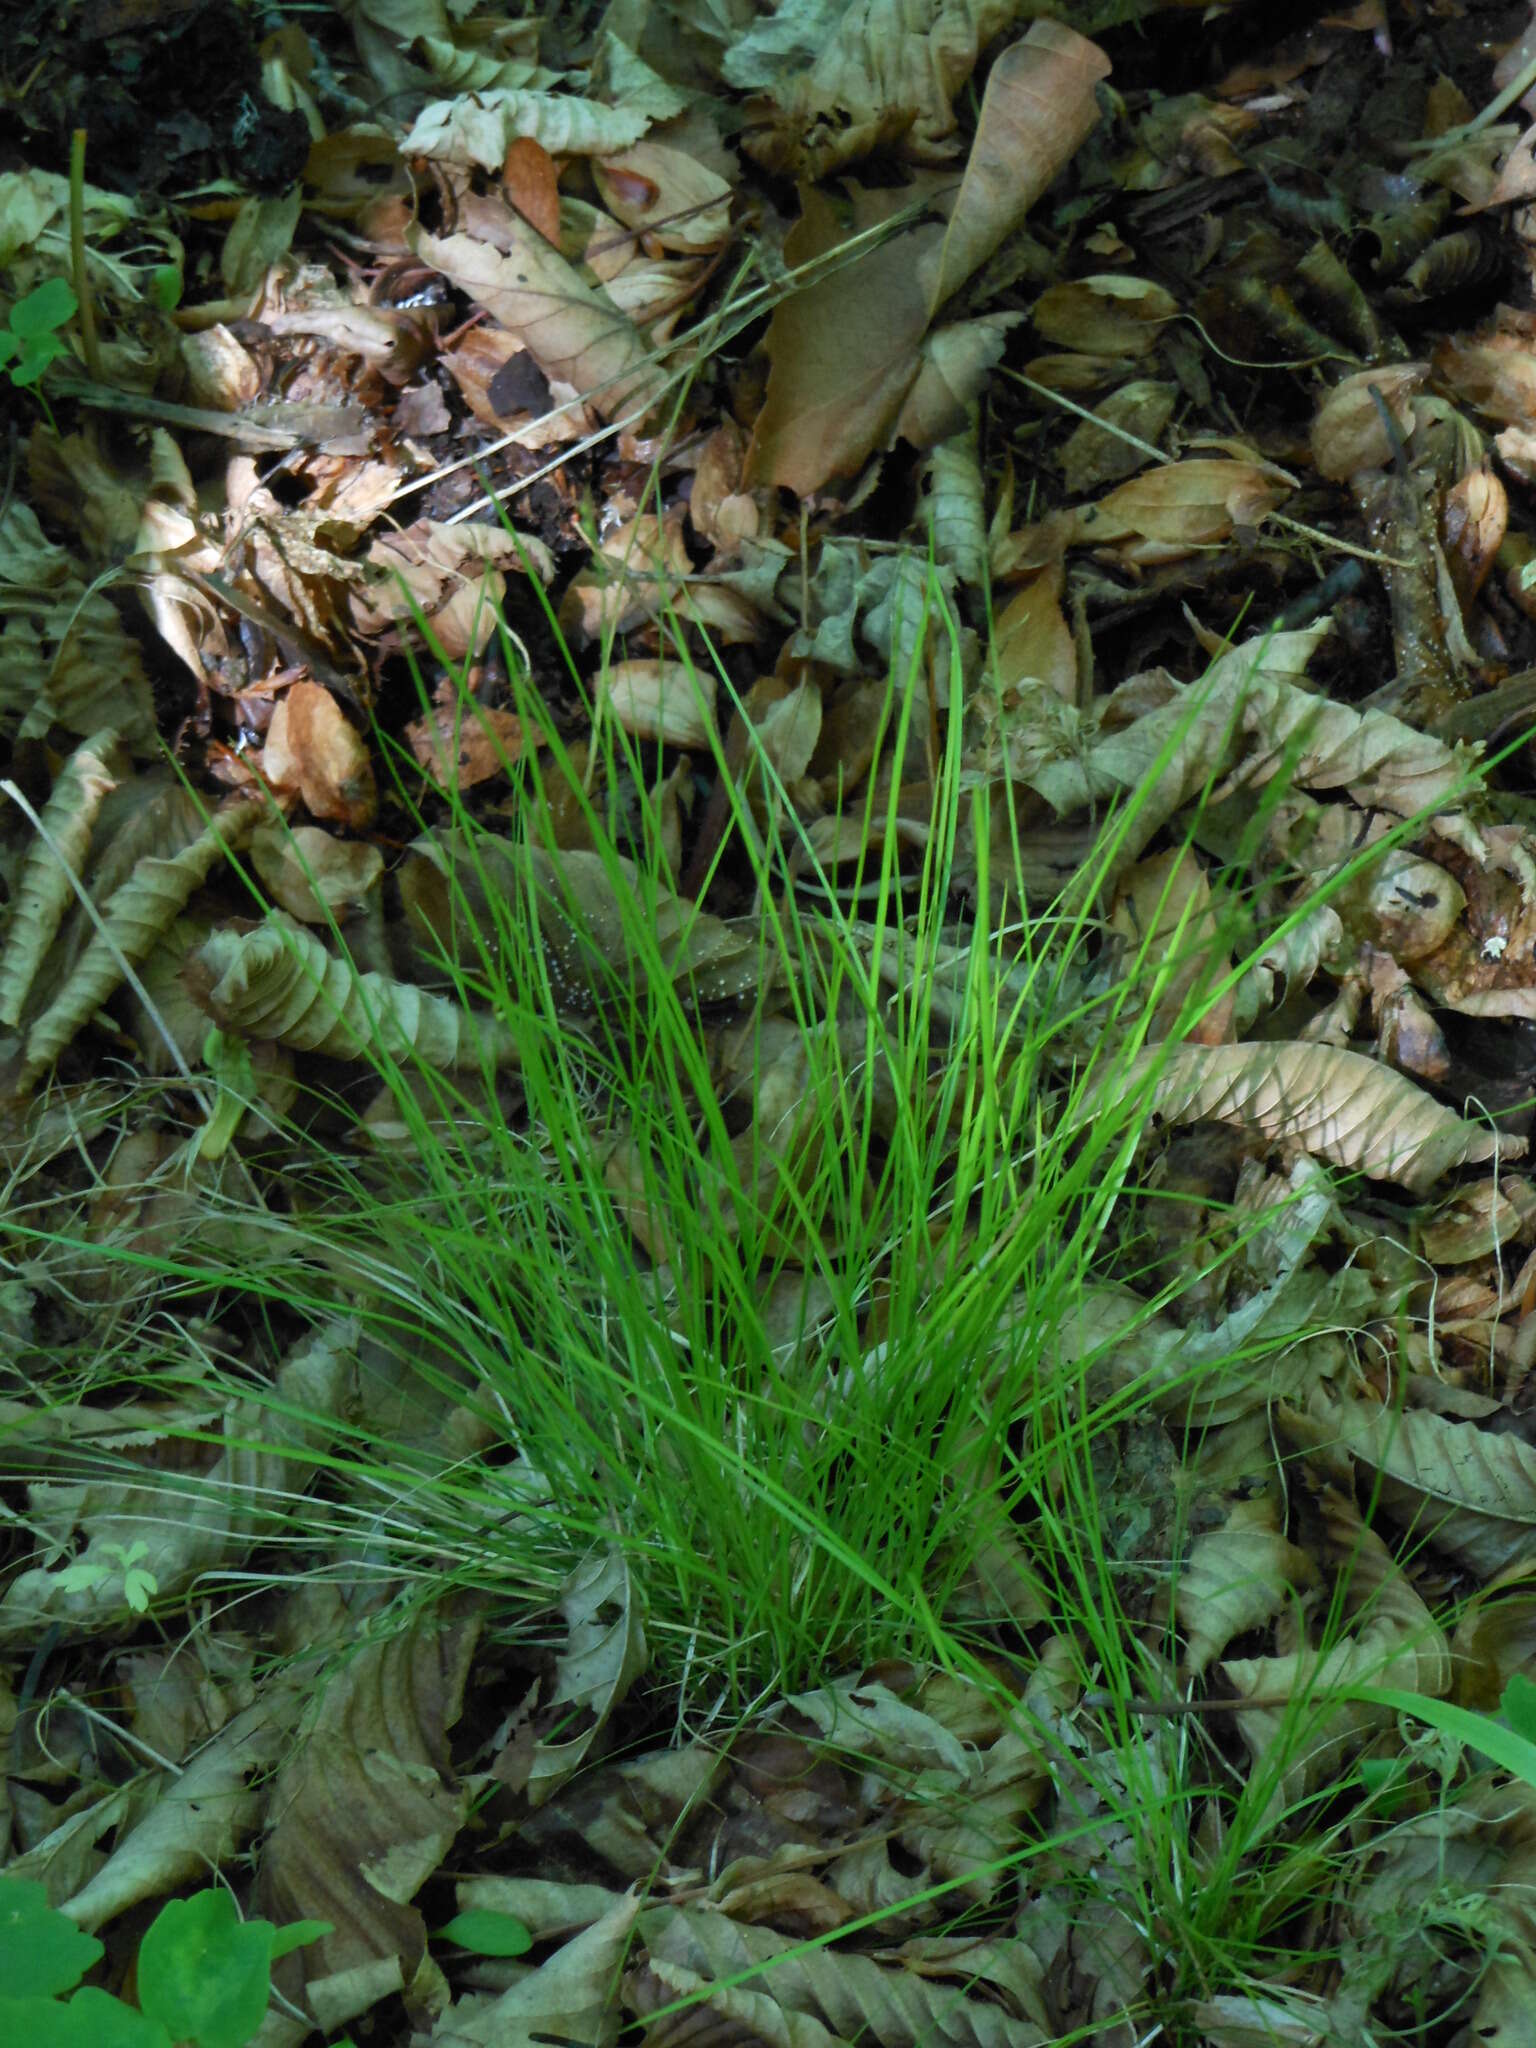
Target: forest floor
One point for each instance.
(767, 1023)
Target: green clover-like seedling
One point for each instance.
(204, 1972)
(139, 1586)
(32, 341)
(41, 1952)
(487, 1933)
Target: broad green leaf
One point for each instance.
(204, 1973)
(91, 2019)
(35, 359)
(40, 1951)
(45, 309)
(488, 1933)
(298, 1934)
(1519, 1707)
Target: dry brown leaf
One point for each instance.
(1111, 316)
(1349, 433)
(311, 874)
(569, 1998)
(1339, 1106)
(1236, 1579)
(1031, 640)
(1470, 1492)
(1095, 455)
(365, 1809)
(202, 1813)
(889, 70)
(1187, 504)
(573, 330)
(531, 180)
(1248, 709)
(1039, 108)
(312, 749)
(844, 350)
(671, 701)
(668, 196)
(461, 746)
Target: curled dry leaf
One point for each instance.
(1349, 433)
(1236, 1579)
(138, 911)
(605, 1652)
(1183, 505)
(278, 981)
(201, 1814)
(846, 350)
(569, 1998)
(221, 1512)
(888, 72)
(1247, 710)
(478, 128)
(461, 746)
(1098, 454)
(1470, 1492)
(1039, 108)
(43, 893)
(1104, 316)
(453, 576)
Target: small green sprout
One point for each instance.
(228, 1059)
(203, 1974)
(139, 1586)
(31, 340)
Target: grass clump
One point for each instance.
(767, 1263)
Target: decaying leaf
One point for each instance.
(312, 749)
(365, 1808)
(572, 329)
(605, 1653)
(134, 917)
(479, 127)
(43, 892)
(1339, 1106)
(279, 981)
(845, 350)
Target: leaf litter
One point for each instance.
(606, 511)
